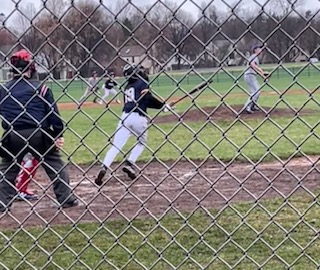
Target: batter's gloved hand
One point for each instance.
(167, 108)
(266, 75)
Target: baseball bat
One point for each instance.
(194, 90)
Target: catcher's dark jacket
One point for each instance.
(27, 104)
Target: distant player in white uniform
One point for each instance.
(109, 88)
(92, 89)
(250, 78)
(134, 121)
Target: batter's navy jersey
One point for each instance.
(135, 97)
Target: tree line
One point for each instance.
(86, 35)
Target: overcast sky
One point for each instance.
(8, 6)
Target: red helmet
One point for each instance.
(22, 62)
(23, 55)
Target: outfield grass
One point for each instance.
(97, 125)
(254, 232)
(220, 139)
(228, 81)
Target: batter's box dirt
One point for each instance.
(224, 113)
(159, 191)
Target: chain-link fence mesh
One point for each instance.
(226, 180)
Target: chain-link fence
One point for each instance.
(222, 177)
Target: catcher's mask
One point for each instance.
(21, 62)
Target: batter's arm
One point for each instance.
(152, 102)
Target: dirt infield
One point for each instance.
(223, 113)
(157, 191)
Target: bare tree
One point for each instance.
(175, 26)
(84, 50)
(25, 16)
(42, 33)
(6, 37)
(56, 7)
(206, 30)
(283, 7)
(310, 39)
(25, 21)
(52, 43)
(283, 28)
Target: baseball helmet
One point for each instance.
(134, 71)
(21, 62)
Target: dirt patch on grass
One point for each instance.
(226, 112)
(163, 188)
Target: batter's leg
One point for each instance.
(140, 131)
(120, 138)
(138, 149)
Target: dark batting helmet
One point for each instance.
(21, 62)
(134, 72)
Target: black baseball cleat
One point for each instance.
(255, 109)
(98, 181)
(129, 170)
(70, 204)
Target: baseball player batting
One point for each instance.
(250, 78)
(108, 88)
(134, 121)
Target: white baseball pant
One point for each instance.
(107, 92)
(254, 87)
(130, 124)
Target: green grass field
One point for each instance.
(204, 236)
(254, 231)
(228, 80)
(98, 124)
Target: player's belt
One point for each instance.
(143, 114)
(250, 74)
